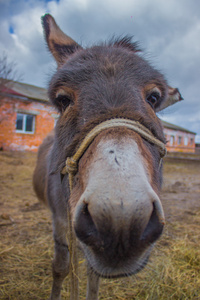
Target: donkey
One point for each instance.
(108, 131)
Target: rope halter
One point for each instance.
(71, 166)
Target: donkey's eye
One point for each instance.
(153, 99)
(63, 101)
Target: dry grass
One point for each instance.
(26, 247)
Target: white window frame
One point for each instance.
(24, 124)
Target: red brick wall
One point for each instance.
(44, 123)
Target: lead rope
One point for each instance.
(73, 273)
(71, 168)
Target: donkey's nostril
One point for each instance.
(85, 228)
(154, 227)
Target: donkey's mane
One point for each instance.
(125, 42)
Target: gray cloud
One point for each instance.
(169, 31)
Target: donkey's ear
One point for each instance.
(174, 96)
(60, 45)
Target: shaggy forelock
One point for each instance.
(124, 42)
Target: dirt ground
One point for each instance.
(26, 246)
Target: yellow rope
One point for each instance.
(71, 168)
(74, 281)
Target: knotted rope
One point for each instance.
(71, 168)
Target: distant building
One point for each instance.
(178, 138)
(27, 116)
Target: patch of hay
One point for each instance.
(26, 247)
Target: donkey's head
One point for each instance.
(115, 205)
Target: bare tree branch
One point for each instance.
(8, 71)
(8, 74)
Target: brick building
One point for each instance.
(179, 139)
(26, 116)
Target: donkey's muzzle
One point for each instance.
(119, 215)
(116, 238)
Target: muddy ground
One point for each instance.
(26, 246)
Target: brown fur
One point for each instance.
(40, 172)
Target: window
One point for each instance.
(171, 140)
(185, 140)
(179, 140)
(25, 123)
(191, 141)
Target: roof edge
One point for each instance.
(175, 127)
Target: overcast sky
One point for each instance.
(168, 32)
